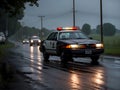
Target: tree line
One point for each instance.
(26, 32)
(108, 29)
(11, 11)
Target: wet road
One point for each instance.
(79, 75)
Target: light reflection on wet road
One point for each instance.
(88, 77)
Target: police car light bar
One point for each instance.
(67, 28)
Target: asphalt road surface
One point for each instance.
(77, 75)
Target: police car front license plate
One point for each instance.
(88, 51)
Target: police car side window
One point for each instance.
(64, 35)
(53, 36)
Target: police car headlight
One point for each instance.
(72, 46)
(99, 45)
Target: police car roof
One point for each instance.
(67, 31)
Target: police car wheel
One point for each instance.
(45, 56)
(63, 57)
(95, 60)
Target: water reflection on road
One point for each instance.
(75, 81)
(87, 81)
(32, 57)
(36, 62)
(87, 78)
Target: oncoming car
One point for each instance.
(71, 42)
(34, 40)
(25, 41)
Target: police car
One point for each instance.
(70, 42)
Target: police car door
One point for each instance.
(51, 43)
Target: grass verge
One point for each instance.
(111, 44)
(4, 48)
(5, 69)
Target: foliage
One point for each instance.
(14, 6)
(108, 29)
(86, 29)
(25, 32)
(44, 33)
(10, 12)
(9, 24)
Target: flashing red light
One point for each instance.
(59, 28)
(74, 28)
(67, 28)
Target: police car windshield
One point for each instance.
(72, 35)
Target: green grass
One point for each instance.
(111, 44)
(112, 51)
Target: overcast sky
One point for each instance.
(59, 13)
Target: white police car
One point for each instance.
(71, 42)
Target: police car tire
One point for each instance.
(63, 57)
(95, 60)
(45, 56)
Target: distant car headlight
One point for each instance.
(39, 40)
(100, 45)
(27, 41)
(31, 41)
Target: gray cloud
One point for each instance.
(59, 13)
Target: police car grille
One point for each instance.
(90, 45)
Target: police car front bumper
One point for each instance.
(84, 52)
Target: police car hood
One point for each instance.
(80, 41)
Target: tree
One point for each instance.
(98, 29)
(14, 6)
(108, 29)
(44, 32)
(86, 29)
(10, 12)
(10, 24)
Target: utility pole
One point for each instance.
(22, 30)
(73, 12)
(41, 17)
(101, 21)
(41, 33)
(6, 31)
